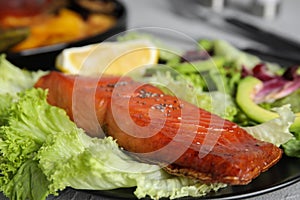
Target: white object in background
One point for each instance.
(216, 5)
(266, 8)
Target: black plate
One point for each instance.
(44, 57)
(284, 173)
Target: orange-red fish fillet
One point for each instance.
(163, 129)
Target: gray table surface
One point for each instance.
(164, 14)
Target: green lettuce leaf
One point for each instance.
(173, 187)
(234, 55)
(28, 177)
(30, 120)
(239, 58)
(292, 147)
(275, 131)
(182, 88)
(102, 165)
(97, 164)
(14, 79)
(5, 102)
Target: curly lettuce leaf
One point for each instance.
(102, 165)
(98, 164)
(30, 120)
(173, 187)
(5, 102)
(28, 177)
(14, 79)
(275, 131)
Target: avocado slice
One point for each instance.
(244, 98)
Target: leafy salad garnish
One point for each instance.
(43, 151)
(212, 73)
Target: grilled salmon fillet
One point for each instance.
(162, 129)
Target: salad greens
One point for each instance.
(13, 79)
(275, 131)
(43, 151)
(211, 74)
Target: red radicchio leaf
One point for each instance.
(274, 86)
(260, 71)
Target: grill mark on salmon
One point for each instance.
(182, 138)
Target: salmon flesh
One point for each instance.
(161, 129)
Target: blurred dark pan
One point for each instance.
(44, 57)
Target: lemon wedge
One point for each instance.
(115, 58)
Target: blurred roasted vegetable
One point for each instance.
(11, 37)
(98, 6)
(61, 22)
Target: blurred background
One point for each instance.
(203, 18)
(256, 26)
